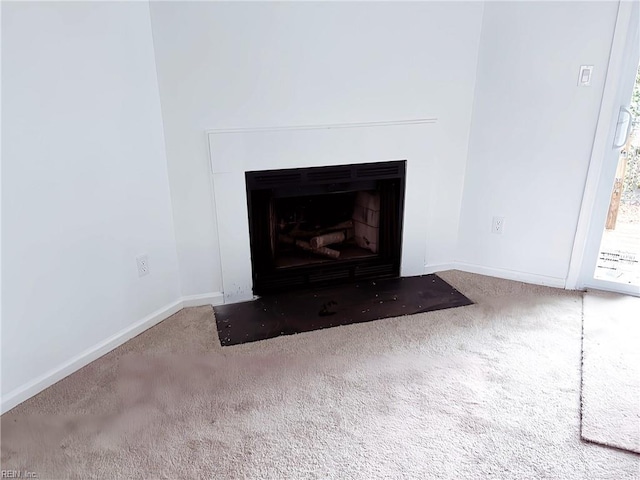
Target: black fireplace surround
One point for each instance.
(287, 207)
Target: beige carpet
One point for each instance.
(486, 391)
(611, 370)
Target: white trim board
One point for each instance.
(37, 385)
(414, 121)
(440, 267)
(517, 276)
(608, 286)
(216, 298)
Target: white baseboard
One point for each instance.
(440, 267)
(35, 386)
(216, 298)
(511, 275)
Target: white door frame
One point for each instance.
(602, 166)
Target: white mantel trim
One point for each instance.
(415, 121)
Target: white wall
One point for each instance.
(532, 134)
(223, 65)
(85, 185)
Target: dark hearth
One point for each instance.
(325, 225)
(314, 309)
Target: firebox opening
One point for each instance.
(325, 228)
(322, 225)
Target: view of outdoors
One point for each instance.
(619, 256)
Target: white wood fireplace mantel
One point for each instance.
(236, 151)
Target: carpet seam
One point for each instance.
(582, 436)
(582, 366)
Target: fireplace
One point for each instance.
(323, 225)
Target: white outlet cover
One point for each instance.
(142, 262)
(497, 225)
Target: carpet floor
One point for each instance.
(611, 370)
(491, 390)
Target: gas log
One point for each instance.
(306, 246)
(331, 238)
(297, 232)
(324, 251)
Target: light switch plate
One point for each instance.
(584, 79)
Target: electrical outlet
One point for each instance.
(497, 226)
(143, 265)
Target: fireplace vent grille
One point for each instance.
(324, 175)
(270, 179)
(391, 169)
(328, 175)
(374, 270)
(326, 275)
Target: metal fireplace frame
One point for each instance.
(388, 178)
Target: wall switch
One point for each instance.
(584, 79)
(497, 225)
(143, 265)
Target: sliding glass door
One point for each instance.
(612, 249)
